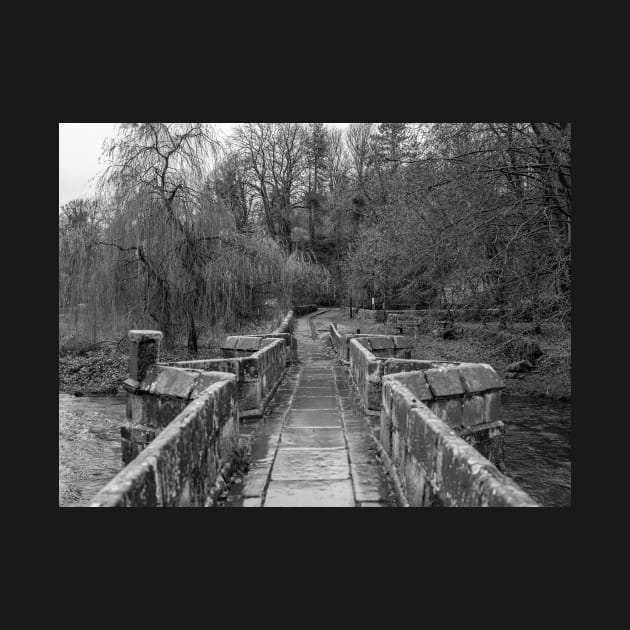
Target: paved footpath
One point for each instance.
(313, 448)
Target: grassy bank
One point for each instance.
(476, 342)
(93, 369)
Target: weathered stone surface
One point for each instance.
(322, 437)
(379, 342)
(307, 389)
(256, 480)
(205, 379)
(317, 418)
(436, 466)
(302, 464)
(158, 411)
(492, 411)
(169, 381)
(230, 343)
(415, 382)
(335, 493)
(488, 439)
(369, 482)
(473, 411)
(144, 346)
(315, 402)
(450, 410)
(182, 457)
(478, 377)
(444, 381)
(248, 343)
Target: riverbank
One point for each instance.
(476, 342)
(101, 369)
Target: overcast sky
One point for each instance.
(80, 149)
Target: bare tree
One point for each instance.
(358, 140)
(161, 167)
(274, 157)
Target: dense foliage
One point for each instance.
(188, 233)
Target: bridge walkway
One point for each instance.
(314, 447)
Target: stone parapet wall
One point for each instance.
(286, 325)
(366, 370)
(162, 394)
(289, 340)
(435, 466)
(182, 465)
(393, 345)
(466, 396)
(257, 362)
(336, 338)
(304, 309)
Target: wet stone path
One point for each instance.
(313, 447)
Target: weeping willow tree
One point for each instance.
(166, 250)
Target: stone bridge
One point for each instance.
(331, 420)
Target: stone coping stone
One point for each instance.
(141, 335)
(380, 343)
(478, 377)
(444, 381)
(178, 382)
(415, 382)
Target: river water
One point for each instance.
(537, 446)
(89, 445)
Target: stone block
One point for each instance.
(369, 482)
(413, 480)
(425, 433)
(310, 464)
(473, 410)
(415, 382)
(310, 493)
(493, 406)
(205, 379)
(381, 343)
(230, 343)
(144, 346)
(460, 466)
(444, 381)
(172, 381)
(385, 432)
(364, 341)
(248, 369)
(449, 410)
(488, 439)
(478, 377)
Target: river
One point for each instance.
(89, 445)
(538, 447)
